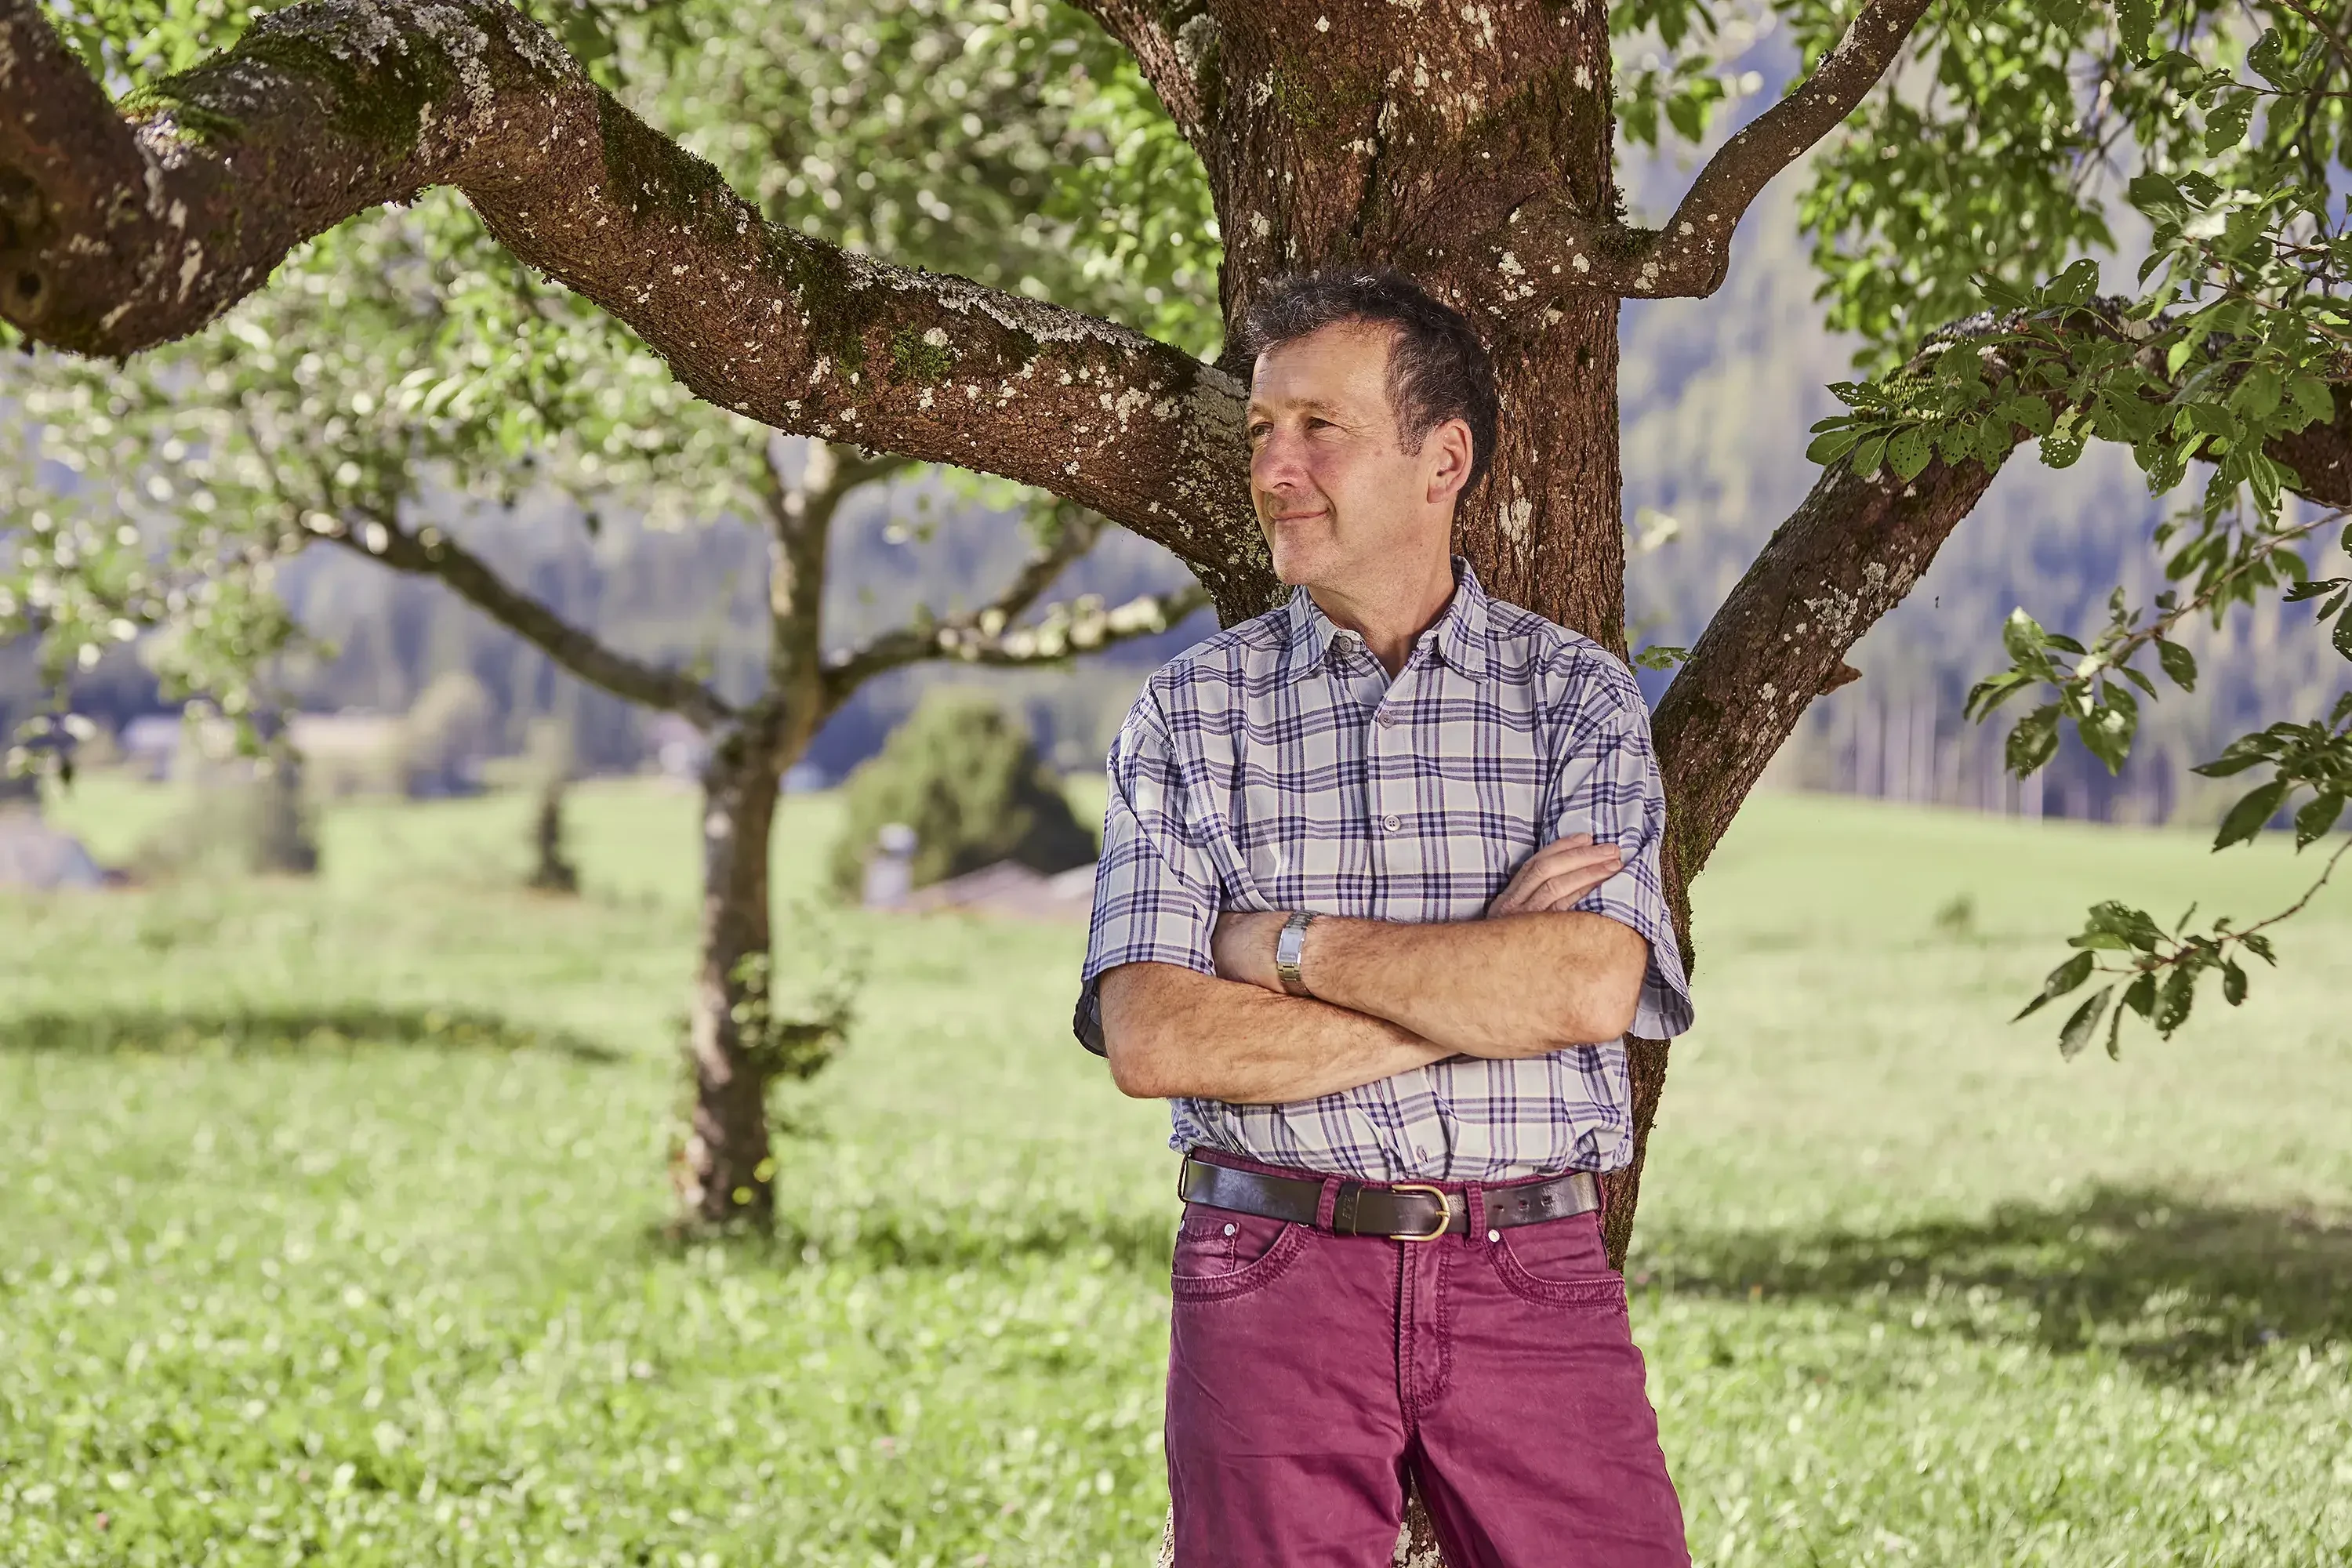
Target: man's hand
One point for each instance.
(1553, 877)
(1242, 947)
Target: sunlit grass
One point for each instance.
(328, 1223)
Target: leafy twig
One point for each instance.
(2163, 967)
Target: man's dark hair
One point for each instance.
(1438, 369)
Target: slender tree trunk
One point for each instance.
(723, 1174)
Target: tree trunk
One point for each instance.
(1337, 161)
(723, 1174)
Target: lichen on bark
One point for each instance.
(655, 178)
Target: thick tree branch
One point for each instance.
(1845, 557)
(1551, 247)
(2321, 456)
(116, 236)
(430, 552)
(1152, 34)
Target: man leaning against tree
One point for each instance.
(1379, 898)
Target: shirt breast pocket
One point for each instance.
(1294, 846)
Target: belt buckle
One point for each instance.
(1445, 1208)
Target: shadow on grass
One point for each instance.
(294, 1031)
(2179, 1287)
(947, 1239)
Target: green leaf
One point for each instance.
(2245, 752)
(1830, 445)
(2002, 296)
(2343, 637)
(2234, 982)
(2178, 663)
(2156, 196)
(2078, 1032)
(2248, 817)
(1866, 456)
(1908, 453)
(2076, 284)
(2032, 741)
(2257, 393)
(2173, 1003)
(2063, 979)
(2113, 925)
(2313, 400)
(2227, 122)
(2267, 59)
(2030, 412)
(1992, 691)
(2141, 997)
(2107, 731)
(2022, 637)
(2317, 817)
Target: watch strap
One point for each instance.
(1289, 948)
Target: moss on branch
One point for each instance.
(655, 178)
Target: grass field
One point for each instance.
(329, 1224)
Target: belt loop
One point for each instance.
(1601, 1197)
(1475, 1220)
(1325, 1205)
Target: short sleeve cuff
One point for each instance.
(1086, 1021)
(1664, 1009)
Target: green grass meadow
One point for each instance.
(330, 1221)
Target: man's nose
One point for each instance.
(1278, 465)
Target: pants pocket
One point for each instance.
(1559, 1263)
(1221, 1254)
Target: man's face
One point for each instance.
(1338, 497)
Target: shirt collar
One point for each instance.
(1459, 637)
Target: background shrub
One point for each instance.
(242, 817)
(962, 774)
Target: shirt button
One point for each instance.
(1393, 821)
(1387, 718)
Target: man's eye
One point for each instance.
(1259, 432)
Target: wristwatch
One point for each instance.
(1288, 948)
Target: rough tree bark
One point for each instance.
(722, 1172)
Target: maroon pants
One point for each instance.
(1308, 1372)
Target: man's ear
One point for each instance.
(1448, 451)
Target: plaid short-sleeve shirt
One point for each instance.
(1277, 766)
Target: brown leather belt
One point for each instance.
(1400, 1211)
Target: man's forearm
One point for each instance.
(1171, 1031)
(1514, 986)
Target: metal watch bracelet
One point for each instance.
(1289, 948)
